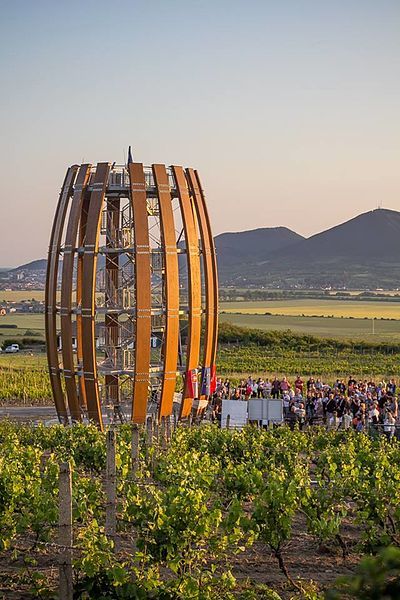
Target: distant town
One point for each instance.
(31, 276)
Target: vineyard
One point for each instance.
(30, 385)
(24, 378)
(206, 514)
(253, 359)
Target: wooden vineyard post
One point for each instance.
(163, 433)
(149, 437)
(111, 478)
(135, 449)
(65, 535)
(156, 431)
(149, 432)
(168, 431)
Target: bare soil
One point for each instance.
(305, 560)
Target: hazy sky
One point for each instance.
(288, 108)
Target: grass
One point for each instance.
(323, 308)
(22, 360)
(24, 322)
(360, 329)
(336, 327)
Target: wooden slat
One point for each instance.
(210, 274)
(89, 292)
(194, 285)
(51, 293)
(214, 274)
(171, 287)
(79, 282)
(66, 291)
(141, 378)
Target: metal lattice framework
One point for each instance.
(131, 278)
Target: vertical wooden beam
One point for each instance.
(210, 275)
(79, 286)
(141, 377)
(51, 293)
(171, 287)
(194, 285)
(214, 315)
(99, 186)
(66, 291)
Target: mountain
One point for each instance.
(370, 236)
(35, 265)
(363, 252)
(257, 245)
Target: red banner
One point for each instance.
(192, 384)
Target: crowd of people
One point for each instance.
(347, 403)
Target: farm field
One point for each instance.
(323, 308)
(210, 514)
(26, 326)
(340, 328)
(24, 380)
(38, 295)
(336, 327)
(19, 295)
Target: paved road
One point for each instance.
(29, 413)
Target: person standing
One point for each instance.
(275, 388)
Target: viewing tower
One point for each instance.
(132, 288)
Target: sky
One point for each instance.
(289, 109)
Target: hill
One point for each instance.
(238, 249)
(370, 236)
(363, 252)
(35, 265)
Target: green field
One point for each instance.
(252, 315)
(25, 323)
(321, 308)
(34, 361)
(339, 328)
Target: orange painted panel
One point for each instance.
(51, 293)
(194, 285)
(66, 291)
(91, 245)
(141, 379)
(171, 287)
